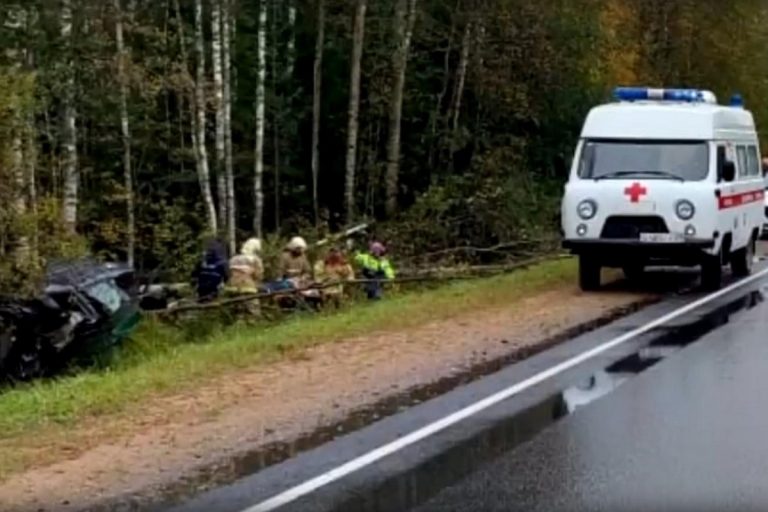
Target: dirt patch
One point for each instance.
(178, 436)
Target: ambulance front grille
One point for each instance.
(628, 227)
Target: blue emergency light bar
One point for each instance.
(650, 94)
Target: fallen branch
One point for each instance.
(502, 247)
(416, 277)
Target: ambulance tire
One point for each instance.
(741, 260)
(712, 272)
(589, 274)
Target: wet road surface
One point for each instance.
(687, 434)
(677, 424)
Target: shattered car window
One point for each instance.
(108, 294)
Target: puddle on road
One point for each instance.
(419, 484)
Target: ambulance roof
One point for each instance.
(659, 120)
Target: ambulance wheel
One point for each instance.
(712, 272)
(742, 260)
(589, 274)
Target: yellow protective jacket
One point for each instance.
(370, 264)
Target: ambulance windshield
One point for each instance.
(604, 159)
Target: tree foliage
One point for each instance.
(493, 98)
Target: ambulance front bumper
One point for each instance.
(618, 250)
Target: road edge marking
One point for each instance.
(349, 467)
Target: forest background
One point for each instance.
(133, 129)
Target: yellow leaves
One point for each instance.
(619, 46)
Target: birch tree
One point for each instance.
(291, 44)
(218, 95)
(261, 75)
(22, 250)
(316, 105)
(125, 131)
(70, 166)
(226, 34)
(358, 37)
(203, 172)
(405, 17)
(461, 77)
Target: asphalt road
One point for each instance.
(683, 434)
(687, 434)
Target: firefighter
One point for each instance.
(333, 269)
(246, 273)
(294, 265)
(375, 267)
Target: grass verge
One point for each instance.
(163, 360)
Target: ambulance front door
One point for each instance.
(728, 193)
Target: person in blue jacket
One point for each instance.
(212, 272)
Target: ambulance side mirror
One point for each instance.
(728, 171)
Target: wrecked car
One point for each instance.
(85, 307)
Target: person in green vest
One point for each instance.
(376, 267)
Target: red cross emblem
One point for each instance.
(635, 192)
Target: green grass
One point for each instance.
(162, 360)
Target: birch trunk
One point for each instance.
(29, 141)
(461, 77)
(290, 52)
(22, 249)
(125, 130)
(358, 38)
(70, 167)
(258, 166)
(218, 95)
(226, 34)
(29, 153)
(203, 172)
(405, 17)
(316, 104)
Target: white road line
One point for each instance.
(379, 453)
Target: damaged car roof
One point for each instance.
(63, 276)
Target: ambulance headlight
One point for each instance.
(587, 209)
(685, 209)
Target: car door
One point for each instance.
(727, 221)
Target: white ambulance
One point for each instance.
(665, 177)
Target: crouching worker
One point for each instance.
(333, 270)
(246, 273)
(212, 272)
(375, 267)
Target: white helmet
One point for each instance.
(296, 243)
(251, 247)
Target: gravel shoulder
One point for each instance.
(178, 437)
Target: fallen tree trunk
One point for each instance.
(414, 277)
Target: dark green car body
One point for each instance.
(86, 308)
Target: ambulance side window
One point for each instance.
(753, 161)
(741, 153)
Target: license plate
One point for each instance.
(662, 238)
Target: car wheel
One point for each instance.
(712, 272)
(589, 274)
(743, 259)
